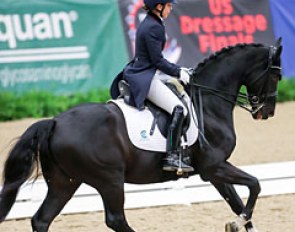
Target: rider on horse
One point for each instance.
(145, 82)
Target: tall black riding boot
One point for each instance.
(172, 162)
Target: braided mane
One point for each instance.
(224, 50)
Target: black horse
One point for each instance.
(89, 143)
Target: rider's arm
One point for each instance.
(154, 42)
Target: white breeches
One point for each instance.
(162, 96)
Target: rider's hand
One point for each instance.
(184, 75)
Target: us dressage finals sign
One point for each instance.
(74, 45)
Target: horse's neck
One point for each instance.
(231, 76)
(228, 71)
(226, 78)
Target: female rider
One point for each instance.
(144, 83)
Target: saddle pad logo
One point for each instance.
(144, 135)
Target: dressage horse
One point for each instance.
(89, 143)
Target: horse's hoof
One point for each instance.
(236, 225)
(253, 229)
(231, 227)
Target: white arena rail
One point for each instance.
(275, 178)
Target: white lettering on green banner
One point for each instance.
(60, 47)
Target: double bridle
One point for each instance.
(249, 102)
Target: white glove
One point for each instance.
(184, 76)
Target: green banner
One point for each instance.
(61, 46)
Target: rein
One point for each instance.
(224, 95)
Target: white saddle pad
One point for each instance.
(139, 124)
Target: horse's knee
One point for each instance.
(255, 186)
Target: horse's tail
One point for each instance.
(22, 161)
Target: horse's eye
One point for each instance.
(255, 99)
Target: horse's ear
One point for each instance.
(278, 43)
(279, 49)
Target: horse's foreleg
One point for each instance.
(226, 173)
(228, 192)
(59, 193)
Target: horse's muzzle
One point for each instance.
(264, 113)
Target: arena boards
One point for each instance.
(275, 178)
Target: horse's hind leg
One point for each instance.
(113, 200)
(112, 193)
(60, 191)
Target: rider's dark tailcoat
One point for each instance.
(150, 42)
